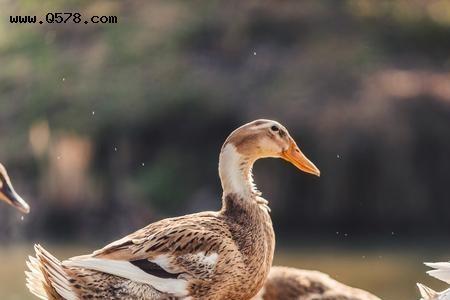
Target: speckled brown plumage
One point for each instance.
(242, 236)
(208, 256)
(294, 284)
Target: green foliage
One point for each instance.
(168, 83)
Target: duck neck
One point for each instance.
(235, 171)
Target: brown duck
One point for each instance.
(294, 284)
(209, 255)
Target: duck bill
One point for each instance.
(298, 159)
(10, 196)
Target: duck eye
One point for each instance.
(274, 128)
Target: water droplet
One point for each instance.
(254, 53)
(93, 112)
(115, 149)
(22, 218)
(63, 79)
(338, 156)
(143, 164)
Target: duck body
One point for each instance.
(215, 252)
(285, 283)
(208, 255)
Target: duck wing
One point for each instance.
(165, 254)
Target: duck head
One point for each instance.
(252, 141)
(9, 195)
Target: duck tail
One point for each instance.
(427, 293)
(46, 278)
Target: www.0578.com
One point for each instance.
(65, 17)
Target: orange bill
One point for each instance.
(298, 159)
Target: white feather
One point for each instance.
(426, 292)
(441, 272)
(439, 265)
(125, 269)
(443, 275)
(164, 262)
(53, 268)
(234, 177)
(210, 259)
(229, 166)
(445, 295)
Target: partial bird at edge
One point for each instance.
(9, 195)
(442, 272)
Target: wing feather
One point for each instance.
(125, 269)
(163, 254)
(441, 272)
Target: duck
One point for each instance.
(9, 195)
(441, 271)
(285, 283)
(213, 255)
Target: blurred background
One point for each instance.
(105, 128)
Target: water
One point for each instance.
(389, 274)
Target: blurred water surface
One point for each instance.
(388, 273)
